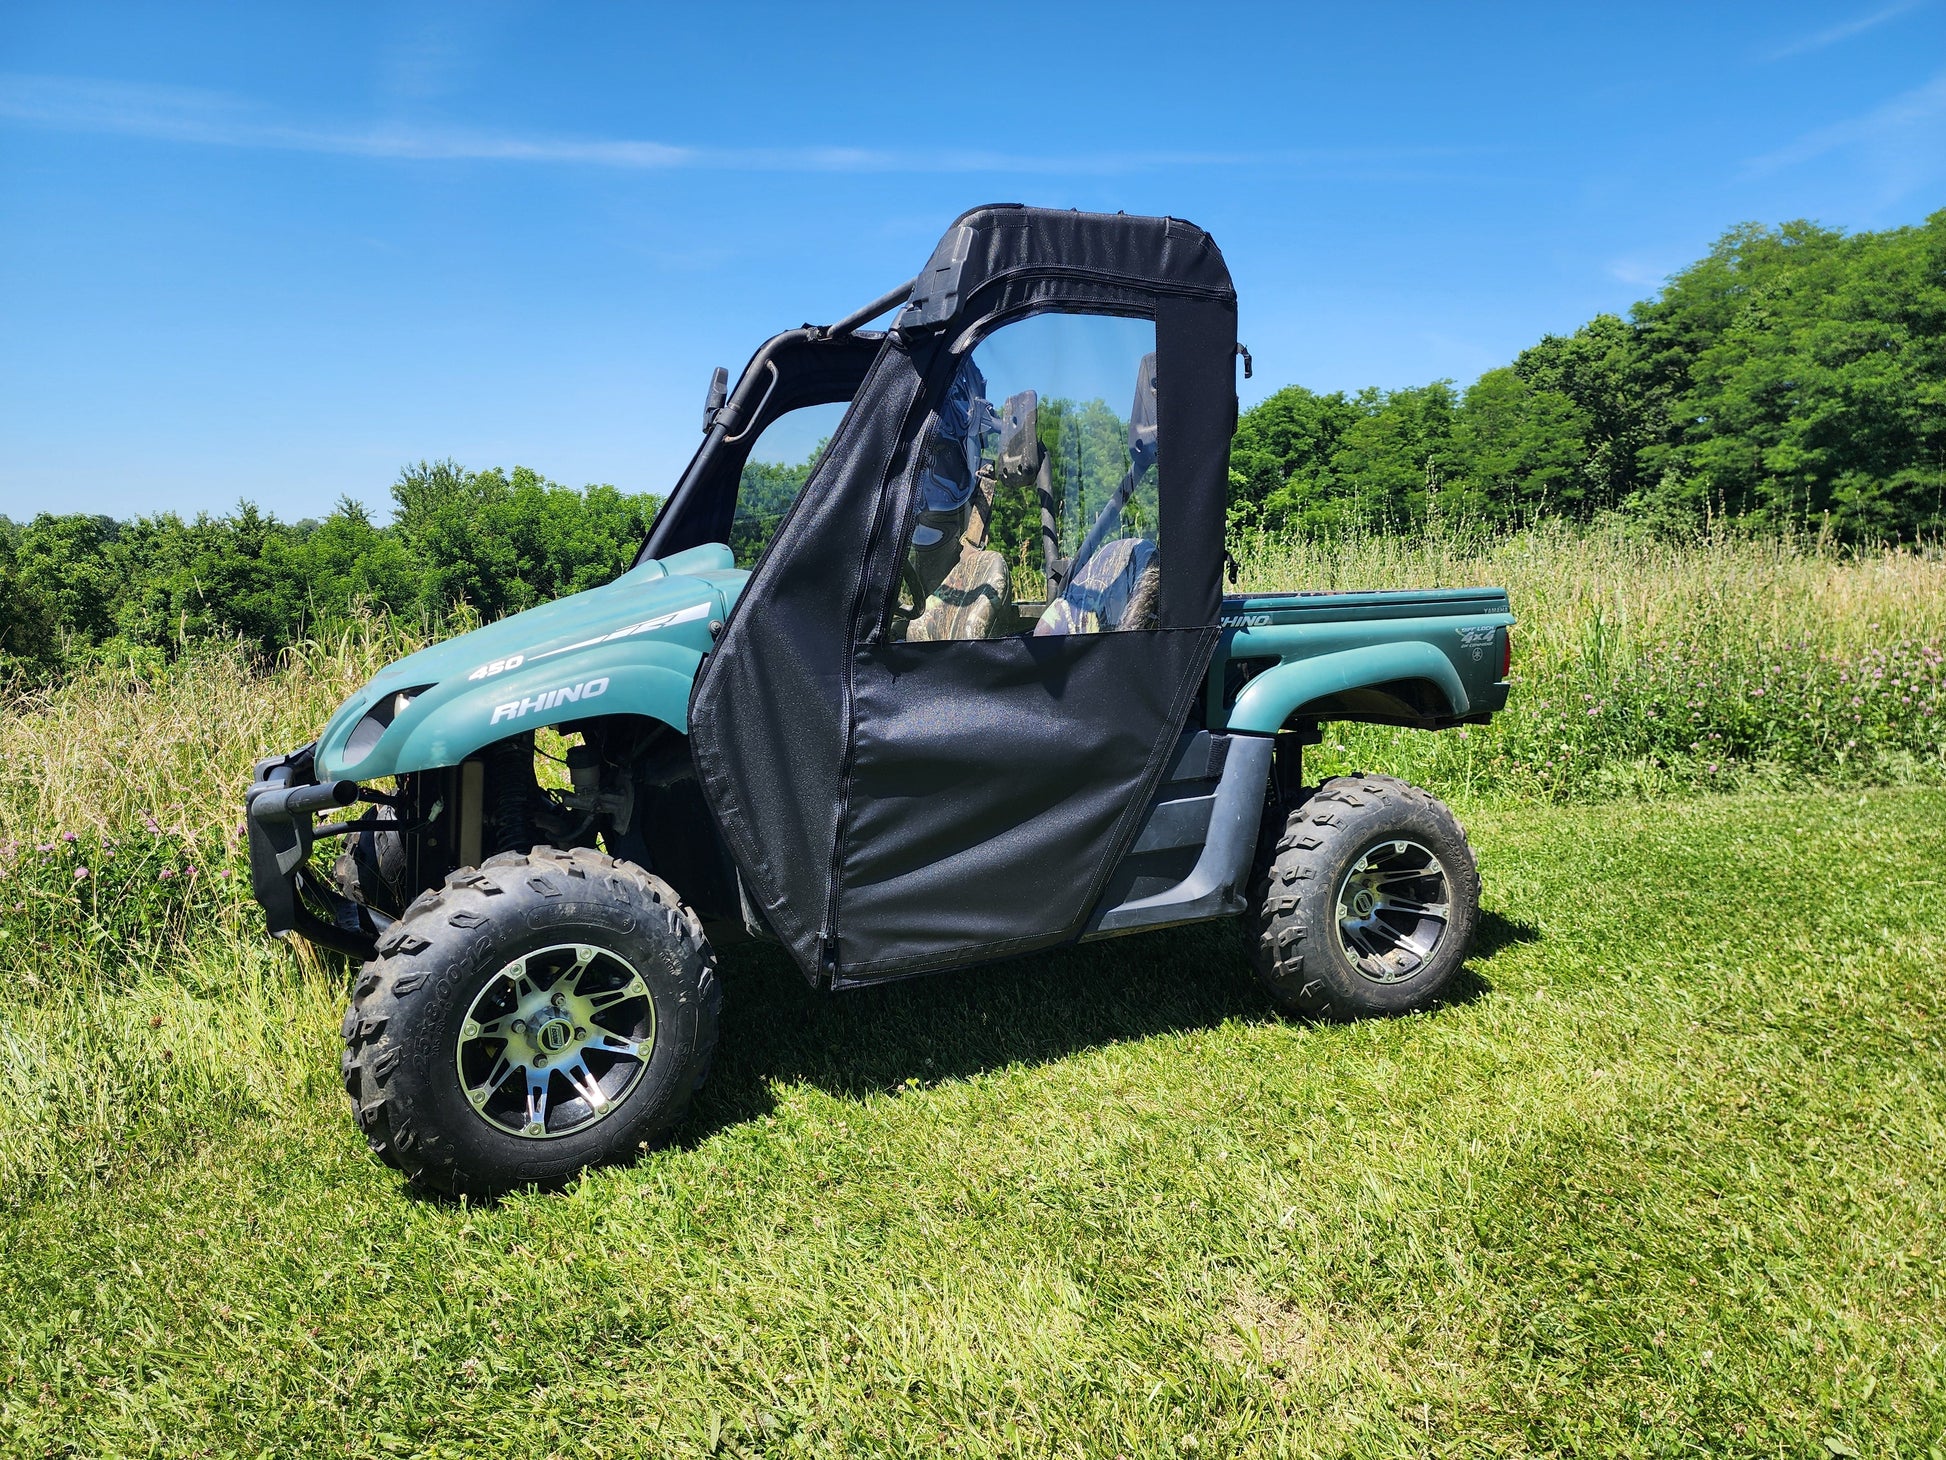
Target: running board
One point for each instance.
(1186, 812)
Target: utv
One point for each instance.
(966, 687)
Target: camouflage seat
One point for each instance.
(1115, 589)
(970, 603)
(972, 598)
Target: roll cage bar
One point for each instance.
(756, 402)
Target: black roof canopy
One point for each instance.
(991, 246)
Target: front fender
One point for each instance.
(646, 677)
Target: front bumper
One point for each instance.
(284, 796)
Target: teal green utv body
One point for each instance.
(630, 647)
(1428, 658)
(962, 686)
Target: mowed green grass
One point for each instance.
(1663, 1180)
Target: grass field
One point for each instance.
(1663, 1180)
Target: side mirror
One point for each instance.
(1020, 442)
(719, 391)
(1142, 416)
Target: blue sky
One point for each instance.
(278, 251)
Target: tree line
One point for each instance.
(75, 587)
(1793, 379)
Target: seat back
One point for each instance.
(1115, 589)
(972, 601)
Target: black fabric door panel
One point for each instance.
(993, 785)
(894, 808)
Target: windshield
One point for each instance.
(740, 484)
(775, 473)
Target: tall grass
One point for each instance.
(117, 744)
(1640, 664)
(1642, 668)
(1645, 666)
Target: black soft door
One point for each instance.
(934, 719)
(1011, 720)
(993, 787)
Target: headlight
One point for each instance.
(378, 719)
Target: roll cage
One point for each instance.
(812, 365)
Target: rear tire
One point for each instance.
(1366, 902)
(539, 1014)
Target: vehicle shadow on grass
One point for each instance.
(1031, 1010)
(1494, 933)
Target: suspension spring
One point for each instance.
(511, 793)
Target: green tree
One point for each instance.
(1520, 453)
(66, 564)
(504, 543)
(1805, 374)
(1280, 460)
(29, 642)
(1600, 369)
(351, 563)
(1394, 461)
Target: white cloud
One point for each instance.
(1637, 274)
(1806, 44)
(202, 118)
(1901, 143)
(177, 114)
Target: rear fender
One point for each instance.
(1273, 696)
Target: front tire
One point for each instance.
(539, 1014)
(1366, 903)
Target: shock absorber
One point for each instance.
(511, 792)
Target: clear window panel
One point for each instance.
(1038, 507)
(775, 472)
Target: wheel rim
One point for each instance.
(1394, 906)
(555, 1041)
